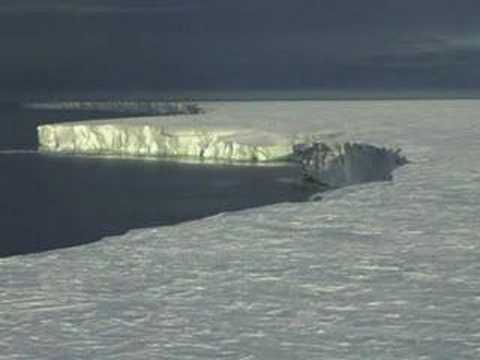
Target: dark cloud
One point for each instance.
(54, 46)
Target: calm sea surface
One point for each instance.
(53, 201)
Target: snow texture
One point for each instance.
(384, 270)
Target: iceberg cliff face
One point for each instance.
(152, 140)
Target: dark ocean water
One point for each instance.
(54, 201)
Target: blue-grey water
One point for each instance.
(52, 201)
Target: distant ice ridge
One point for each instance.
(129, 107)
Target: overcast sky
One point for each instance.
(163, 45)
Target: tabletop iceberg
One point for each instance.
(252, 132)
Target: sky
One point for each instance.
(55, 46)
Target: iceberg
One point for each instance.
(231, 133)
(223, 131)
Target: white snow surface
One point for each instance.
(376, 271)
